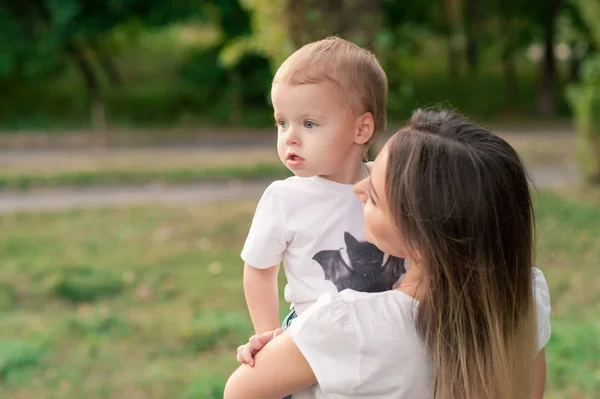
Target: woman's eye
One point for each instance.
(309, 124)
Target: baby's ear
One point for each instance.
(365, 126)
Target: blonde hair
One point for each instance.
(460, 196)
(356, 71)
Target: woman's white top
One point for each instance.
(365, 345)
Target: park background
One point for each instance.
(136, 137)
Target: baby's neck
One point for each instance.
(352, 174)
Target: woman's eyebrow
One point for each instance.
(373, 188)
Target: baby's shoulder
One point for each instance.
(294, 189)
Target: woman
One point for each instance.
(454, 200)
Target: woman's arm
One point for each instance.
(280, 369)
(539, 375)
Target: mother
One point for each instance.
(470, 318)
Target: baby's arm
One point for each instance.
(262, 297)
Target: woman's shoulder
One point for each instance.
(357, 312)
(365, 300)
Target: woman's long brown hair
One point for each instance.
(460, 196)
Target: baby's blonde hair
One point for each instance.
(356, 71)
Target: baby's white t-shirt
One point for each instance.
(315, 226)
(367, 346)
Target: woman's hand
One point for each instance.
(246, 352)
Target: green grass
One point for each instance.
(85, 178)
(569, 254)
(148, 302)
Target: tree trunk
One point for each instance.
(547, 85)
(511, 79)
(472, 18)
(574, 69)
(235, 101)
(451, 24)
(110, 68)
(547, 81)
(92, 84)
(353, 20)
(453, 58)
(509, 67)
(472, 55)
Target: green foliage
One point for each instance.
(207, 387)
(211, 328)
(216, 85)
(585, 101)
(589, 11)
(23, 54)
(87, 284)
(269, 35)
(99, 323)
(16, 355)
(8, 297)
(565, 342)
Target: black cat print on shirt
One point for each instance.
(366, 272)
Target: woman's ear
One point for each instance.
(365, 127)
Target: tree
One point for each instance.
(446, 20)
(473, 17)
(354, 20)
(55, 32)
(546, 13)
(585, 99)
(513, 29)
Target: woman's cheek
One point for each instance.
(372, 226)
(367, 222)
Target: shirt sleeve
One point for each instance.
(542, 307)
(326, 336)
(266, 240)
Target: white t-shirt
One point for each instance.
(367, 346)
(315, 226)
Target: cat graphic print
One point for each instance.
(366, 272)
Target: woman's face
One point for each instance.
(380, 228)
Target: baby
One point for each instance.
(329, 99)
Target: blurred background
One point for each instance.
(136, 137)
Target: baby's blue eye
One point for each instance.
(282, 123)
(309, 124)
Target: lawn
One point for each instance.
(147, 302)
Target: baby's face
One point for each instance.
(316, 129)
